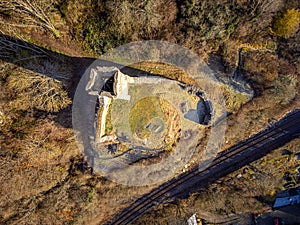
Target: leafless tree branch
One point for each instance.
(30, 13)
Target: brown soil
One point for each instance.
(65, 45)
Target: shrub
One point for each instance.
(260, 67)
(103, 25)
(208, 19)
(284, 89)
(287, 24)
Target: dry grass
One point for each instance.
(251, 189)
(34, 90)
(41, 173)
(25, 13)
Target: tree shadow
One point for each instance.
(66, 69)
(33, 58)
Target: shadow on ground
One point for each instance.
(34, 58)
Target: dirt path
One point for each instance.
(63, 45)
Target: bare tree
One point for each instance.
(34, 90)
(267, 8)
(141, 16)
(12, 47)
(26, 13)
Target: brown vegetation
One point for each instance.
(25, 13)
(251, 189)
(260, 67)
(287, 25)
(43, 175)
(36, 91)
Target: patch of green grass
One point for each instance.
(99, 37)
(90, 195)
(108, 123)
(233, 99)
(142, 112)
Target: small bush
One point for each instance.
(260, 67)
(287, 24)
